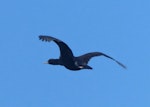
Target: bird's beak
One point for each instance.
(45, 62)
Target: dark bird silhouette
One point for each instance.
(67, 58)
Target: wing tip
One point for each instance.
(45, 38)
(122, 65)
(40, 37)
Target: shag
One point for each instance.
(67, 58)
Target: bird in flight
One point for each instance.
(68, 60)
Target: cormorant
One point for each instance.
(67, 58)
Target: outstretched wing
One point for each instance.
(86, 57)
(65, 51)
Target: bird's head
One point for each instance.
(53, 62)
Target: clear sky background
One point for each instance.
(119, 28)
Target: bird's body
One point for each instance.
(67, 58)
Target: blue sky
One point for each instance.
(117, 28)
